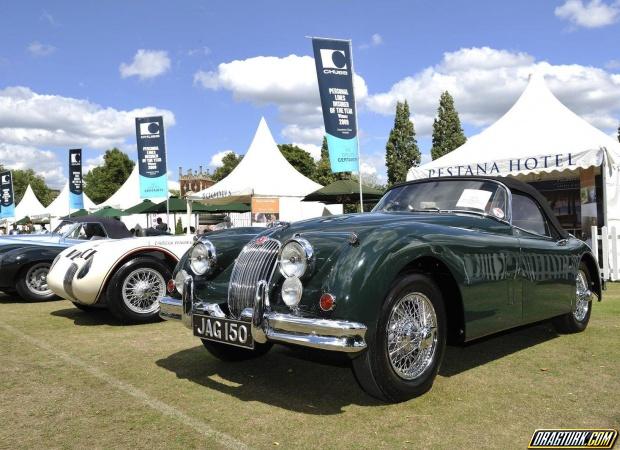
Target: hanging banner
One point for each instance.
(7, 197)
(335, 74)
(76, 200)
(151, 157)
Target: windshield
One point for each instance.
(477, 196)
(64, 227)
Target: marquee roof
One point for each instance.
(263, 171)
(538, 134)
(29, 205)
(60, 206)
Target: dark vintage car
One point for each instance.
(25, 260)
(436, 261)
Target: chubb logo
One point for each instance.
(6, 179)
(149, 129)
(75, 158)
(333, 61)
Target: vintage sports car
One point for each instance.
(127, 276)
(436, 260)
(25, 259)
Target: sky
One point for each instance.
(76, 74)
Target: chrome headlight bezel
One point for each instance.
(202, 258)
(300, 268)
(179, 280)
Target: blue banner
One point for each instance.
(7, 196)
(334, 71)
(152, 157)
(76, 199)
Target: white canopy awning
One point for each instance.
(263, 172)
(60, 206)
(29, 205)
(538, 134)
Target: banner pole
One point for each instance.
(359, 156)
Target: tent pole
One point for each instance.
(189, 217)
(604, 180)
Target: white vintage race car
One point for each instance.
(127, 276)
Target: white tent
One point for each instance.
(537, 135)
(29, 205)
(60, 206)
(265, 172)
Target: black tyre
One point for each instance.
(134, 291)
(11, 293)
(227, 352)
(577, 320)
(406, 349)
(31, 283)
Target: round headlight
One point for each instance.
(295, 257)
(179, 280)
(291, 291)
(202, 257)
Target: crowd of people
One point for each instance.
(28, 228)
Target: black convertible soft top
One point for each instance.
(115, 228)
(514, 185)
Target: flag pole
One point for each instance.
(357, 130)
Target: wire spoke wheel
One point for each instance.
(36, 279)
(142, 289)
(583, 297)
(412, 335)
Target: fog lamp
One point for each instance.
(291, 291)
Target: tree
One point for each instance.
(229, 162)
(447, 131)
(299, 159)
(178, 229)
(103, 181)
(23, 178)
(401, 150)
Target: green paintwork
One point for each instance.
(505, 277)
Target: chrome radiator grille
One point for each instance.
(256, 262)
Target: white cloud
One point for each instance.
(90, 163)
(42, 120)
(216, 160)
(146, 64)
(200, 51)
(592, 14)
(38, 49)
(32, 124)
(485, 82)
(289, 83)
(375, 41)
(47, 17)
(314, 150)
(43, 162)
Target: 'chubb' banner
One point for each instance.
(7, 198)
(333, 68)
(76, 201)
(151, 157)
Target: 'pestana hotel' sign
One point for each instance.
(545, 163)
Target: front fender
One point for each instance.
(13, 261)
(363, 275)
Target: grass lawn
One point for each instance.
(74, 379)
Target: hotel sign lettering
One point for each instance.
(559, 161)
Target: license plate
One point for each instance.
(226, 331)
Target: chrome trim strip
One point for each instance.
(170, 308)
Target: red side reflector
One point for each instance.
(327, 302)
(170, 286)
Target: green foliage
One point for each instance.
(323, 174)
(401, 150)
(447, 131)
(299, 159)
(229, 162)
(23, 178)
(178, 228)
(103, 181)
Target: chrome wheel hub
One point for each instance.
(36, 279)
(142, 290)
(583, 297)
(412, 335)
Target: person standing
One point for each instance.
(161, 225)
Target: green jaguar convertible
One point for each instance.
(436, 261)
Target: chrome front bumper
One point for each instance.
(270, 326)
